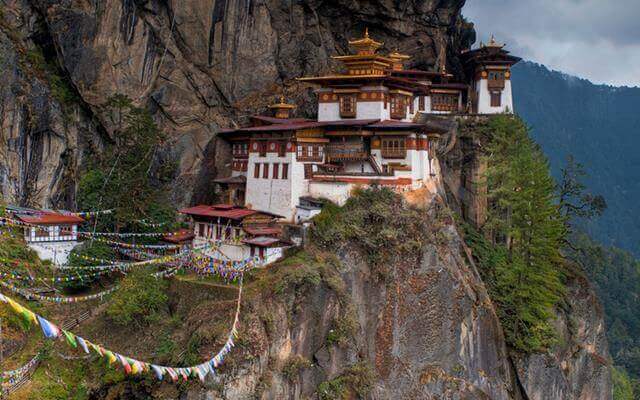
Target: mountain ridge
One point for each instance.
(568, 117)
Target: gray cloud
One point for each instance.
(595, 39)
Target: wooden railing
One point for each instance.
(347, 152)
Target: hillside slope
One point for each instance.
(599, 126)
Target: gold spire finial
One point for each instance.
(492, 43)
(366, 45)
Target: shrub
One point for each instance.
(139, 299)
(293, 367)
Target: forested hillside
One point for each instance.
(597, 124)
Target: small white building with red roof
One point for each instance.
(237, 233)
(51, 234)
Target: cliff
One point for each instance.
(321, 323)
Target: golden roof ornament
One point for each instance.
(493, 43)
(366, 45)
(282, 104)
(398, 59)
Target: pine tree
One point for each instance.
(526, 231)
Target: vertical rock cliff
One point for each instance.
(202, 64)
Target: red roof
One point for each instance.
(262, 230)
(274, 120)
(50, 218)
(183, 235)
(395, 124)
(262, 241)
(282, 127)
(219, 210)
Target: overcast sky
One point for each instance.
(594, 39)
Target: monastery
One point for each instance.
(366, 133)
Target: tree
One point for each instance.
(521, 259)
(575, 202)
(138, 300)
(130, 176)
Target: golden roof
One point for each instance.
(366, 45)
(282, 104)
(395, 56)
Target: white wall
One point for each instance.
(56, 252)
(484, 98)
(272, 195)
(328, 111)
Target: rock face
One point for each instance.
(201, 64)
(578, 366)
(431, 333)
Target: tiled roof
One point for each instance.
(274, 120)
(219, 210)
(182, 235)
(391, 124)
(50, 218)
(262, 230)
(262, 241)
(232, 179)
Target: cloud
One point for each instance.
(594, 39)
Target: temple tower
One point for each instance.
(489, 69)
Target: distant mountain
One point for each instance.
(600, 126)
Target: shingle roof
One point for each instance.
(50, 218)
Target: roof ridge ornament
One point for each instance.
(365, 45)
(492, 43)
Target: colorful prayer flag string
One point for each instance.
(131, 365)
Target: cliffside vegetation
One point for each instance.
(518, 248)
(129, 175)
(616, 276)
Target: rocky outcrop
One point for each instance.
(578, 366)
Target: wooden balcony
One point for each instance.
(496, 84)
(347, 152)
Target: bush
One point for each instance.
(139, 299)
(357, 379)
(293, 367)
(378, 221)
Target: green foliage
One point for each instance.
(343, 328)
(521, 262)
(622, 386)
(378, 221)
(358, 380)
(300, 271)
(138, 300)
(615, 274)
(60, 86)
(130, 175)
(92, 249)
(293, 367)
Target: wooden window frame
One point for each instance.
(265, 171)
(421, 103)
(256, 171)
(393, 147)
(348, 104)
(275, 170)
(496, 98)
(398, 106)
(285, 171)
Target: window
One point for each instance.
(285, 171)
(256, 171)
(300, 149)
(496, 99)
(411, 105)
(393, 148)
(308, 171)
(348, 106)
(265, 171)
(398, 108)
(444, 102)
(496, 79)
(276, 166)
(421, 105)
